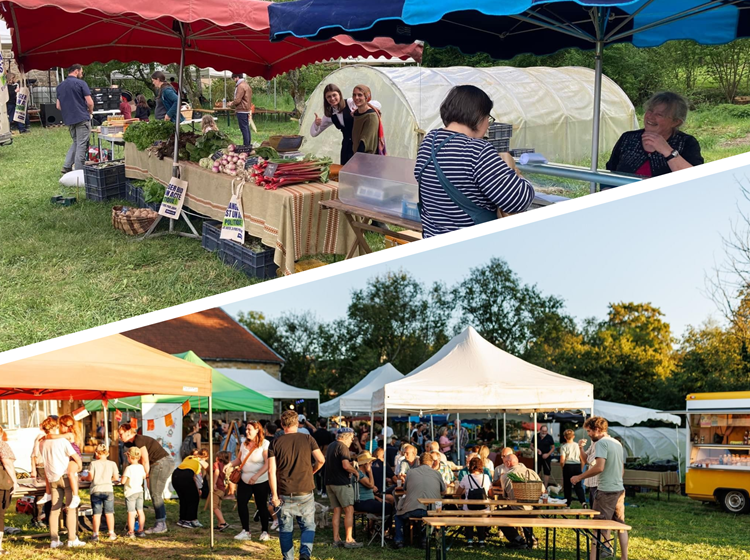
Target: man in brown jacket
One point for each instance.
(243, 97)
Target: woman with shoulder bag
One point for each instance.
(476, 486)
(252, 480)
(8, 481)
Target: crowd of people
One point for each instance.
(281, 465)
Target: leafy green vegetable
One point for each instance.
(153, 191)
(515, 477)
(144, 134)
(267, 152)
(208, 144)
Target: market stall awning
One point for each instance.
(508, 28)
(107, 368)
(471, 374)
(358, 399)
(265, 384)
(228, 395)
(231, 35)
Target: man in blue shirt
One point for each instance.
(76, 105)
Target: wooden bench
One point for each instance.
(430, 502)
(591, 528)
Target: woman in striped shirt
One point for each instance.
(462, 179)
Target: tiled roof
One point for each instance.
(212, 335)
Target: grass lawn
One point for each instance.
(662, 530)
(66, 269)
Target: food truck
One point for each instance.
(718, 449)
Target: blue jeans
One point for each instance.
(157, 482)
(403, 518)
(11, 112)
(301, 508)
(244, 123)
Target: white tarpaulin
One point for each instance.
(551, 109)
(262, 382)
(630, 415)
(470, 374)
(658, 444)
(358, 399)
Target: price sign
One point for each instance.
(270, 170)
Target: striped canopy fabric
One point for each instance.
(506, 28)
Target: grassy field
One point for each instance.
(66, 269)
(662, 530)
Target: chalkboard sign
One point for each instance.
(270, 170)
(249, 162)
(217, 155)
(243, 149)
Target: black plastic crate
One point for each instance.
(518, 151)
(102, 175)
(211, 238)
(105, 193)
(500, 130)
(500, 144)
(255, 265)
(133, 194)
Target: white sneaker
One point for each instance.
(76, 544)
(275, 525)
(324, 496)
(55, 544)
(243, 536)
(264, 537)
(44, 499)
(75, 502)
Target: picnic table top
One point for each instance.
(461, 502)
(527, 522)
(513, 512)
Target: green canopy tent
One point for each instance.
(227, 395)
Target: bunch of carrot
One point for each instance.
(292, 172)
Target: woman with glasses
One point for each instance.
(253, 462)
(462, 179)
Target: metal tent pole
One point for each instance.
(497, 426)
(597, 111)
(105, 409)
(372, 429)
(458, 438)
(385, 465)
(211, 458)
(536, 446)
(505, 431)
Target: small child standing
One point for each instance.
(208, 123)
(102, 473)
(220, 487)
(570, 461)
(132, 480)
(66, 428)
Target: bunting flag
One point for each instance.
(168, 420)
(80, 414)
(150, 425)
(185, 408)
(118, 416)
(134, 423)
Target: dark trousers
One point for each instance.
(244, 123)
(480, 531)
(184, 485)
(11, 112)
(259, 492)
(570, 471)
(592, 495)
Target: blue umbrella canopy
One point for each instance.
(506, 28)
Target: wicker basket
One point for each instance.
(129, 224)
(528, 492)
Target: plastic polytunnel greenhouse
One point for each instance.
(551, 109)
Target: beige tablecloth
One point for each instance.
(289, 219)
(660, 481)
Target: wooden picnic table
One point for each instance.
(359, 219)
(497, 503)
(514, 513)
(591, 528)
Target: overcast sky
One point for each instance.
(656, 247)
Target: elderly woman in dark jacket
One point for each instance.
(659, 147)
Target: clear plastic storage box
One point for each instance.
(382, 184)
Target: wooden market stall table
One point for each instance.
(359, 219)
(666, 481)
(583, 527)
(289, 219)
(430, 502)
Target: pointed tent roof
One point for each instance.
(265, 384)
(470, 374)
(110, 367)
(358, 399)
(228, 395)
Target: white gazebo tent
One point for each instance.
(469, 374)
(551, 109)
(358, 399)
(630, 415)
(267, 385)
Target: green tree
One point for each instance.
(728, 66)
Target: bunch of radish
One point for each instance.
(292, 172)
(230, 162)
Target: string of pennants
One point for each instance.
(150, 424)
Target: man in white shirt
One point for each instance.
(56, 454)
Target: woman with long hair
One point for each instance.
(142, 110)
(338, 112)
(367, 131)
(484, 454)
(253, 462)
(7, 460)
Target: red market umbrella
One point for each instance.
(230, 35)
